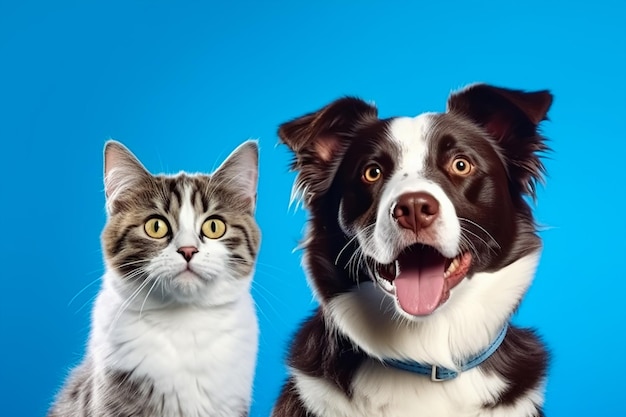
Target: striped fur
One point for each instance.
(172, 335)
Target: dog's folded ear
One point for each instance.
(511, 117)
(319, 140)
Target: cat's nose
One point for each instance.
(187, 252)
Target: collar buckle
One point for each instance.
(433, 375)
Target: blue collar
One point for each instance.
(438, 373)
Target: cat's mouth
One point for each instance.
(188, 274)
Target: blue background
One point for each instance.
(183, 84)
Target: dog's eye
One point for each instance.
(372, 173)
(461, 166)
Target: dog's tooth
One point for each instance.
(452, 268)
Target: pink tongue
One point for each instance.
(419, 284)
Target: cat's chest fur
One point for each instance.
(192, 361)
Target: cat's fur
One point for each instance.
(174, 329)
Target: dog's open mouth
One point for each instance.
(421, 278)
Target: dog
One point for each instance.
(420, 245)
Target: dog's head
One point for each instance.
(419, 204)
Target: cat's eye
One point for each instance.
(372, 173)
(213, 228)
(461, 166)
(156, 227)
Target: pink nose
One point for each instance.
(187, 252)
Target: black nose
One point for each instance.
(187, 252)
(415, 211)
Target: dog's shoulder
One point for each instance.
(320, 350)
(522, 360)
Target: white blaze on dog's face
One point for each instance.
(411, 176)
(416, 280)
(429, 200)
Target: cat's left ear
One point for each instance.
(240, 171)
(122, 170)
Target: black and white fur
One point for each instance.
(480, 221)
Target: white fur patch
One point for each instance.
(201, 359)
(384, 392)
(469, 321)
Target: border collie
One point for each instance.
(420, 246)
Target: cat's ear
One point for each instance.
(122, 170)
(240, 171)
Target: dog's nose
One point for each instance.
(187, 252)
(415, 211)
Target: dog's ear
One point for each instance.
(319, 140)
(511, 117)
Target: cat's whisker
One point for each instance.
(138, 261)
(266, 265)
(282, 278)
(86, 303)
(271, 305)
(156, 280)
(139, 272)
(82, 291)
(257, 286)
(126, 304)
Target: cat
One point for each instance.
(174, 329)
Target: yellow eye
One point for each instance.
(372, 173)
(213, 228)
(156, 228)
(461, 166)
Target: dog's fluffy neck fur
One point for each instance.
(367, 317)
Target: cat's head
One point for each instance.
(185, 238)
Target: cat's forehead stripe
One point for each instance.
(196, 198)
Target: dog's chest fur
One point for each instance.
(384, 392)
(338, 382)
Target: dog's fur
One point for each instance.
(457, 182)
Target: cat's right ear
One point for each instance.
(241, 172)
(122, 170)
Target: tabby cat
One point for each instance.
(174, 329)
